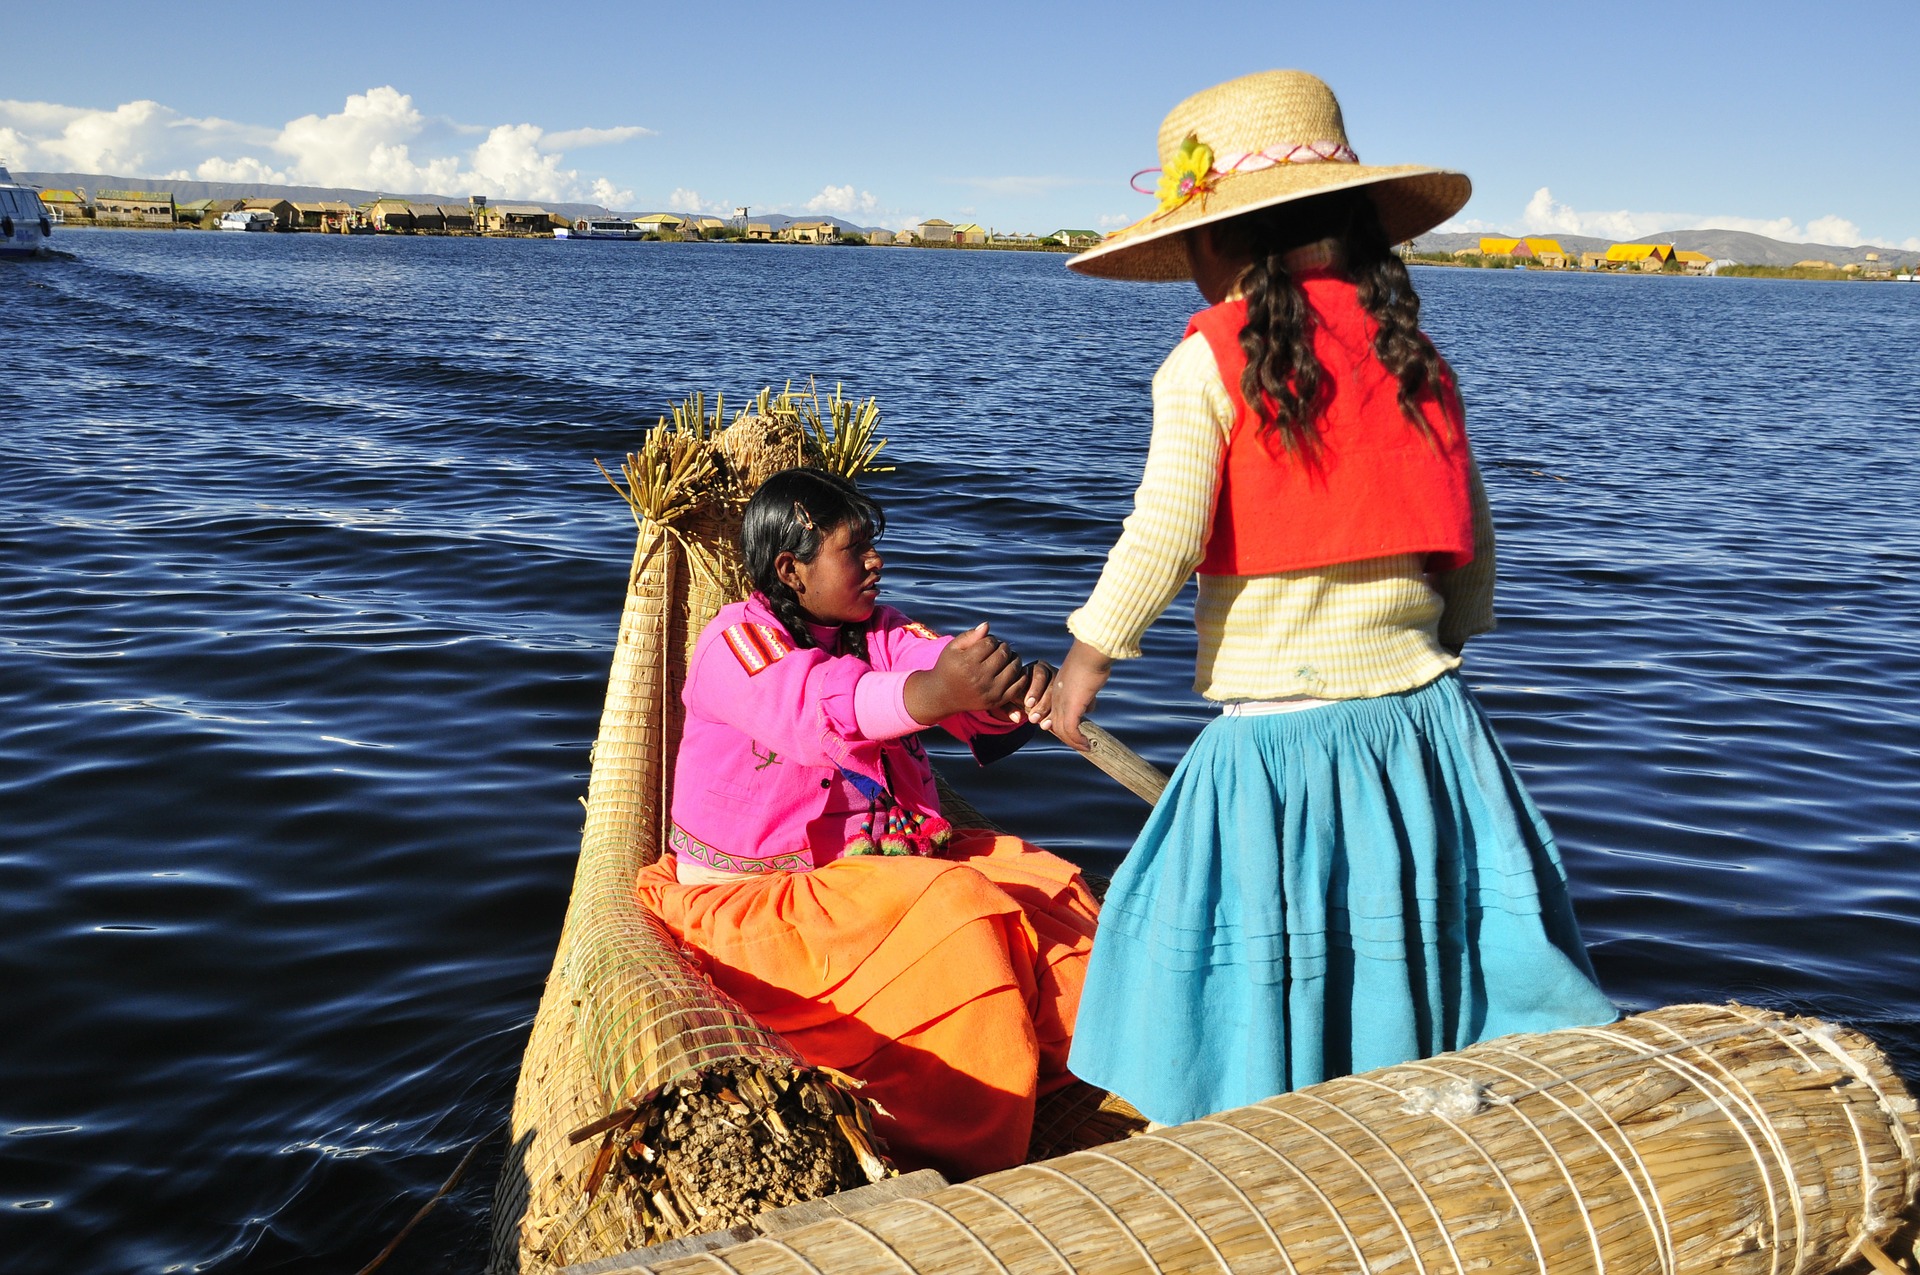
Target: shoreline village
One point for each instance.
(479, 216)
(1537, 252)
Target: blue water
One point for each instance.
(309, 586)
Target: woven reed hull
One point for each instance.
(624, 1011)
(1697, 1138)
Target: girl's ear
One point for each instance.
(786, 569)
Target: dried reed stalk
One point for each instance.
(1689, 1140)
(840, 439)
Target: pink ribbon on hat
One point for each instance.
(1272, 157)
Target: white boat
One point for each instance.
(600, 228)
(25, 224)
(247, 219)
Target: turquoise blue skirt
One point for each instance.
(1325, 892)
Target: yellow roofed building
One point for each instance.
(71, 205)
(1693, 262)
(1643, 256)
(1546, 252)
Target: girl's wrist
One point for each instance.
(923, 699)
(1085, 656)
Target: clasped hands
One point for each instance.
(978, 672)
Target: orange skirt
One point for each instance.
(949, 985)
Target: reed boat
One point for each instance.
(657, 1127)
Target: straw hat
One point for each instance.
(1254, 142)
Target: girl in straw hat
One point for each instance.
(1345, 872)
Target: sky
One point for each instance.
(1614, 120)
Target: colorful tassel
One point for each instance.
(901, 831)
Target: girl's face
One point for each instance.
(842, 583)
(1214, 274)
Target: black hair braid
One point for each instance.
(786, 609)
(1283, 380)
(794, 512)
(853, 641)
(1386, 292)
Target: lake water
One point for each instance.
(309, 586)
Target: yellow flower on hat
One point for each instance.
(1187, 174)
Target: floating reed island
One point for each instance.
(657, 1127)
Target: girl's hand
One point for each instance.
(1035, 697)
(1074, 689)
(977, 672)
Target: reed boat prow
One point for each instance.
(652, 1110)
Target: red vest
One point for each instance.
(1374, 486)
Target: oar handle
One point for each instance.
(1138, 775)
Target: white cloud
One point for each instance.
(244, 169)
(1835, 230)
(1113, 221)
(141, 136)
(842, 200)
(685, 201)
(574, 138)
(15, 149)
(512, 162)
(378, 140)
(366, 144)
(606, 194)
(1545, 213)
(111, 141)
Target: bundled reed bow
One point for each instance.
(651, 1105)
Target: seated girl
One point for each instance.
(809, 866)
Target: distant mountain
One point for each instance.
(1455, 242)
(185, 192)
(1758, 250)
(1734, 245)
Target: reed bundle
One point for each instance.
(628, 1025)
(1697, 1138)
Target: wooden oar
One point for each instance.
(1138, 775)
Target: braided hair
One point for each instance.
(794, 512)
(1283, 380)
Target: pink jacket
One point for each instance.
(772, 760)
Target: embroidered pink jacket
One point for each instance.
(772, 759)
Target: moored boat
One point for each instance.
(657, 1127)
(610, 228)
(247, 219)
(25, 224)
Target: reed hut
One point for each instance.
(151, 208)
